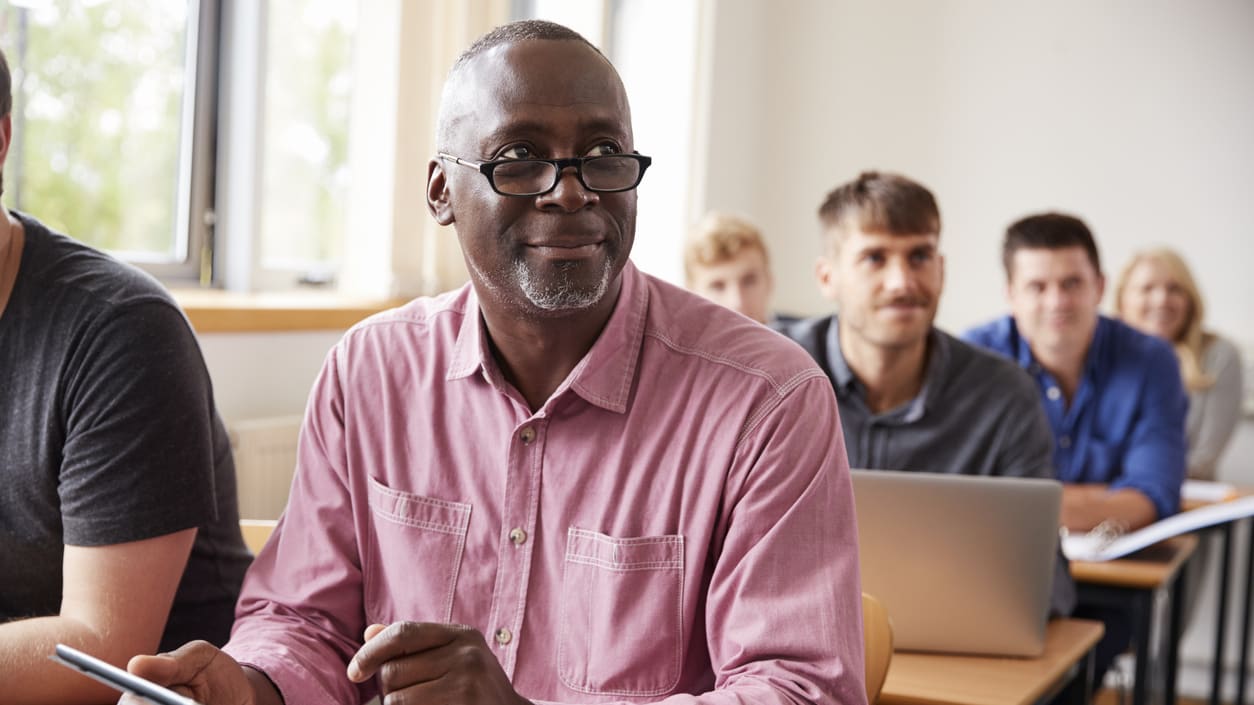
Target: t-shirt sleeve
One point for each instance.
(138, 411)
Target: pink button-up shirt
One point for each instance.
(675, 523)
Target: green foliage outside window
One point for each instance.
(97, 112)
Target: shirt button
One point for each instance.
(1064, 441)
(503, 636)
(518, 536)
(1053, 393)
(527, 435)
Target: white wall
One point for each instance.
(260, 375)
(1134, 114)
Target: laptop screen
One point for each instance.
(963, 564)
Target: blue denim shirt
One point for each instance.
(1125, 426)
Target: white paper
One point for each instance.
(1084, 547)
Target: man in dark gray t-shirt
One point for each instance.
(119, 527)
(912, 397)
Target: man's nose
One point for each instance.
(1057, 297)
(898, 276)
(569, 194)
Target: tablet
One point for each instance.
(115, 677)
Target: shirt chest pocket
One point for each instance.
(621, 614)
(411, 555)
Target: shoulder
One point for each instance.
(1131, 349)
(709, 338)
(426, 317)
(998, 334)
(969, 359)
(1221, 354)
(979, 372)
(94, 303)
(90, 278)
(806, 332)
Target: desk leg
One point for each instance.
(1245, 613)
(1178, 595)
(1143, 609)
(1221, 620)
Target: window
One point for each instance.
(104, 120)
(230, 142)
(116, 130)
(305, 115)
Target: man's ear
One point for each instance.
(437, 193)
(825, 275)
(6, 137)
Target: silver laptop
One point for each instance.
(962, 564)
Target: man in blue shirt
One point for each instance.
(1113, 396)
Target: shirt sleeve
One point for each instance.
(300, 616)
(1215, 411)
(137, 459)
(1154, 458)
(783, 616)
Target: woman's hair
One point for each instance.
(1191, 341)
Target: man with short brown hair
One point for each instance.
(911, 396)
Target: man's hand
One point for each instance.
(1086, 506)
(201, 672)
(432, 663)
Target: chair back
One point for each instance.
(256, 532)
(877, 636)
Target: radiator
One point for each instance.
(265, 457)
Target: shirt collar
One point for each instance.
(603, 377)
(1023, 349)
(938, 353)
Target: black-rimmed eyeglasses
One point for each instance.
(609, 173)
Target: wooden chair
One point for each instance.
(257, 532)
(877, 636)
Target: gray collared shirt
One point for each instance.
(976, 414)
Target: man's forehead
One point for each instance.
(524, 80)
(880, 238)
(1053, 262)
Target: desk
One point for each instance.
(1131, 581)
(948, 679)
(1245, 614)
(1221, 620)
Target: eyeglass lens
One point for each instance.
(608, 173)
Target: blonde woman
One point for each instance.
(1157, 295)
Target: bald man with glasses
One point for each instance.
(565, 482)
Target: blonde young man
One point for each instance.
(726, 262)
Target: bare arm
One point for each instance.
(114, 604)
(1086, 506)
